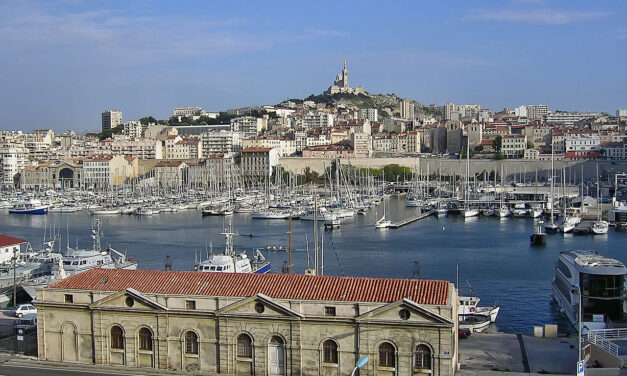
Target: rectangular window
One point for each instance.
(68, 298)
(190, 304)
(329, 311)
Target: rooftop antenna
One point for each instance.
(415, 272)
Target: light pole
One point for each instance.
(361, 363)
(578, 287)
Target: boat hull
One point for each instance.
(29, 211)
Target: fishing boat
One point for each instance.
(231, 261)
(470, 305)
(30, 206)
(595, 282)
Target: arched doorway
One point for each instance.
(66, 178)
(69, 347)
(276, 356)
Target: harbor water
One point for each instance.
(493, 255)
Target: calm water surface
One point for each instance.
(493, 254)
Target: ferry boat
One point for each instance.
(596, 282)
(32, 206)
(231, 261)
(78, 260)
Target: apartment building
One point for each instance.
(13, 160)
(220, 142)
(102, 171)
(285, 147)
(513, 146)
(257, 163)
(111, 119)
(249, 126)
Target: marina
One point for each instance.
(493, 254)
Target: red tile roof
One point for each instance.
(279, 286)
(256, 150)
(9, 240)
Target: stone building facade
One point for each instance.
(249, 324)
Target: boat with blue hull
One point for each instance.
(29, 207)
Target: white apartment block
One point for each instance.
(320, 120)
(582, 142)
(13, 160)
(537, 111)
(513, 146)
(361, 145)
(188, 111)
(142, 148)
(134, 129)
(569, 118)
(249, 126)
(621, 113)
(106, 170)
(284, 147)
(257, 163)
(383, 144)
(464, 110)
(220, 142)
(111, 119)
(370, 114)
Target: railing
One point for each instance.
(603, 338)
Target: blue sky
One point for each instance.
(67, 61)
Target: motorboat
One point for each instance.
(595, 282)
(441, 212)
(520, 209)
(271, 214)
(600, 227)
(30, 206)
(77, 260)
(536, 211)
(504, 212)
(488, 212)
(470, 212)
(475, 322)
(231, 261)
(470, 305)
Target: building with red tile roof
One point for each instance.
(8, 247)
(260, 324)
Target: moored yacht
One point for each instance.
(595, 282)
(77, 260)
(31, 206)
(231, 261)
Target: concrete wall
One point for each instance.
(511, 168)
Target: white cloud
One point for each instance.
(535, 16)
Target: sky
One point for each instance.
(64, 62)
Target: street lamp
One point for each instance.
(361, 363)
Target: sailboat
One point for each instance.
(503, 210)
(383, 222)
(468, 211)
(599, 227)
(551, 227)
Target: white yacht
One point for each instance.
(520, 209)
(569, 224)
(231, 261)
(600, 227)
(596, 282)
(470, 212)
(536, 211)
(504, 212)
(78, 260)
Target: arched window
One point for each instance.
(191, 342)
(244, 346)
(329, 351)
(386, 355)
(117, 338)
(145, 339)
(422, 358)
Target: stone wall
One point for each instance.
(512, 168)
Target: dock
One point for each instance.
(412, 219)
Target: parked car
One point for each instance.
(463, 333)
(24, 309)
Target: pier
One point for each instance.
(412, 219)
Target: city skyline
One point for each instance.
(72, 60)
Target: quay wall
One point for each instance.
(511, 167)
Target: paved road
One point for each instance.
(35, 369)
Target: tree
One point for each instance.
(498, 142)
(499, 156)
(530, 145)
(479, 148)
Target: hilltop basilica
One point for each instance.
(340, 85)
